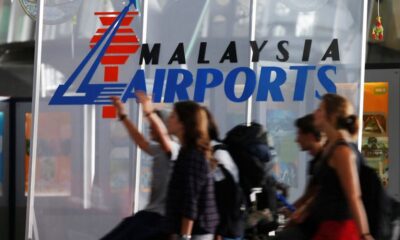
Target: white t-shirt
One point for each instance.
(224, 158)
(161, 171)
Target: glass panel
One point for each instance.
(15, 24)
(375, 140)
(85, 162)
(114, 162)
(5, 7)
(305, 30)
(215, 22)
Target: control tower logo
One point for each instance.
(114, 42)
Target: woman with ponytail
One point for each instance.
(338, 211)
(191, 208)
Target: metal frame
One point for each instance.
(31, 220)
(253, 17)
(140, 116)
(362, 77)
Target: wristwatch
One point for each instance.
(185, 237)
(122, 117)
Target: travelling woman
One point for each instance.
(191, 208)
(338, 211)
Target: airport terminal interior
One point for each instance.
(87, 174)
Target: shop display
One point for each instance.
(375, 144)
(375, 140)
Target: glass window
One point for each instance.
(298, 26)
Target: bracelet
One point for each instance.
(148, 114)
(122, 117)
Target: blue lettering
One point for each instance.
(201, 82)
(158, 85)
(180, 80)
(326, 82)
(266, 85)
(249, 85)
(138, 82)
(180, 89)
(98, 94)
(300, 87)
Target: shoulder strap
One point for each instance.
(338, 142)
(342, 142)
(220, 146)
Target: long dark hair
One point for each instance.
(213, 131)
(336, 108)
(194, 120)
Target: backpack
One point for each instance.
(249, 149)
(230, 202)
(377, 203)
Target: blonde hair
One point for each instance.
(340, 111)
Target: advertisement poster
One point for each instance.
(375, 145)
(53, 168)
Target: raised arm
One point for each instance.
(134, 133)
(344, 162)
(155, 122)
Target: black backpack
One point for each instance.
(249, 149)
(377, 203)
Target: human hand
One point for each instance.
(299, 215)
(118, 105)
(145, 101)
(285, 211)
